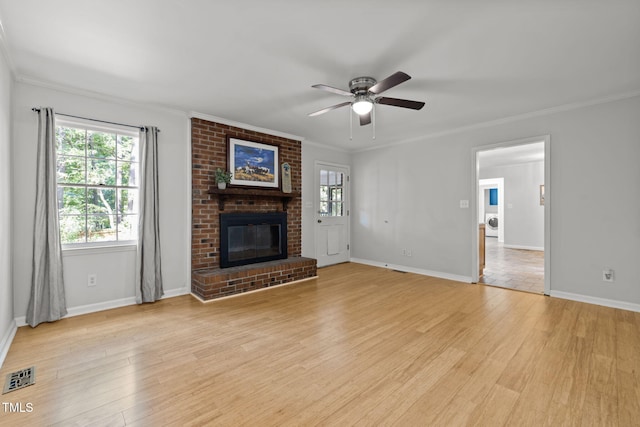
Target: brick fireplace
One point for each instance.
(209, 152)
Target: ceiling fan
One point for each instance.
(364, 92)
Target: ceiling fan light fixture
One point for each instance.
(362, 105)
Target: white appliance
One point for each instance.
(491, 224)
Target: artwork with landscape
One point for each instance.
(253, 163)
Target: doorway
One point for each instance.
(332, 214)
(519, 257)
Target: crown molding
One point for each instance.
(509, 119)
(228, 122)
(97, 95)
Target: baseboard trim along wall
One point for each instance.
(6, 341)
(527, 248)
(439, 274)
(597, 301)
(107, 305)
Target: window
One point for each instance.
(331, 189)
(97, 178)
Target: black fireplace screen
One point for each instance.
(248, 238)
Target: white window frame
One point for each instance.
(92, 126)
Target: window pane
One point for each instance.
(324, 193)
(70, 170)
(336, 209)
(324, 208)
(101, 228)
(101, 172)
(101, 145)
(101, 201)
(324, 177)
(71, 200)
(336, 194)
(127, 201)
(332, 178)
(128, 227)
(128, 174)
(70, 141)
(127, 148)
(72, 228)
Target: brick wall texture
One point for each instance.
(209, 152)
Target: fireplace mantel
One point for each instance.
(224, 195)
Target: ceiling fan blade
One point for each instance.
(326, 110)
(404, 103)
(365, 119)
(391, 81)
(333, 90)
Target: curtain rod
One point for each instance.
(95, 120)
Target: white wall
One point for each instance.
(7, 326)
(523, 216)
(312, 152)
(407, 196)
(115, 269)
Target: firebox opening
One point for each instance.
(247, 238)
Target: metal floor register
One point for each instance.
(20, 379)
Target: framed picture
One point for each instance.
(542, 195)
(252, 163)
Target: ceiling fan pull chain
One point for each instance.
(373, 120)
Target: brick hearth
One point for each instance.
(219, 282)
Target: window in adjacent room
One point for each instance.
(97, 184)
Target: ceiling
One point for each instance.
(254, 61)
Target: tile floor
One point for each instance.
(513, 268)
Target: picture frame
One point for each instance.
(542, 195)
(253, 164)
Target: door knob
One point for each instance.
(319, 221)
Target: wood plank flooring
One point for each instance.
(357, 346)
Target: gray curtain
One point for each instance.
(148, 268)
(47, 301)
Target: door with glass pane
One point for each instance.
(332, 214)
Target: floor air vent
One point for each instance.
(20, 379)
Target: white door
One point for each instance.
(332, 214)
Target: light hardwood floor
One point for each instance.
(359, 345)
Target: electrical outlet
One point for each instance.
(607, 275)
(92, 279)
(409, 252)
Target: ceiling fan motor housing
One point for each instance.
(361, 85)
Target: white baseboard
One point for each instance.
(6, 341)
(439, 274)
(527, 248)
(107, 305)
(623, 305)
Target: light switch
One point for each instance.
(464, 204)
